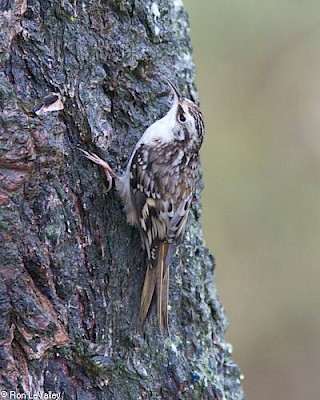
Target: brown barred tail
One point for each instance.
(157, 280)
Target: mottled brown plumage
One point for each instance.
(157, 189)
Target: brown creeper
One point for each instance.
(156, 190)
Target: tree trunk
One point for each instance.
(71, 268)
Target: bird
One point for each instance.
(157, 189)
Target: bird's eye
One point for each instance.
(181, 118)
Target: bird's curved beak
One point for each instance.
(174, 90)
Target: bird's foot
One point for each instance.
(110, 174)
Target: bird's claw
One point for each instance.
(110, 174)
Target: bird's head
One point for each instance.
(186, 119)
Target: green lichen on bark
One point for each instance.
(71, 267)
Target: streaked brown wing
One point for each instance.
(160, 195)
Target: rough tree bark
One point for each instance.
(71, 267)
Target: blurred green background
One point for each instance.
(258, 74)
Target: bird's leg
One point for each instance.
(110, 174)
